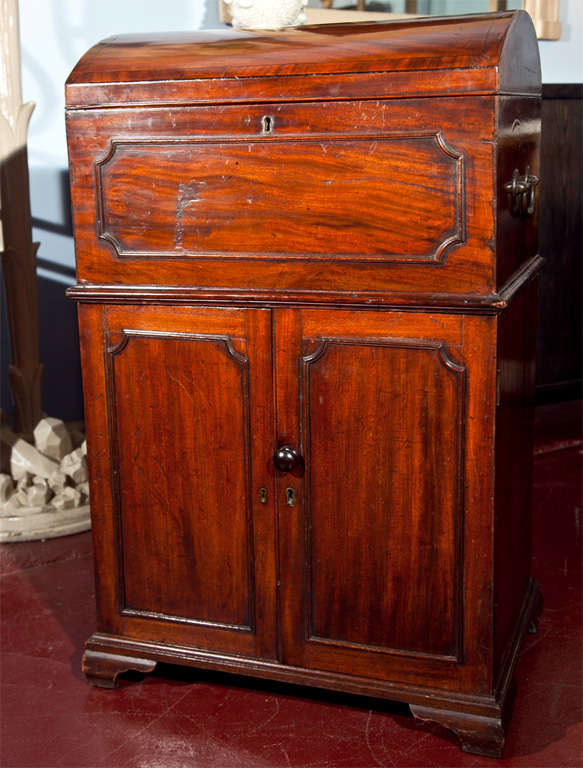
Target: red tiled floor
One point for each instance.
(184, 717)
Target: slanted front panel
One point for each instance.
(319, 196)
(173, 396)
(353, 197)
(382, 439)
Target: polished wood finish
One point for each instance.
(514, 437)
(472, 54)
(306, 330)
(294, 197)
(171, 499)
(103, 669)
(363, 431)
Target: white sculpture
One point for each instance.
(75, 466)
(24, 458)
(57, 481)
(42, 498)
(69, 498)
(267, 14)
(52, 439)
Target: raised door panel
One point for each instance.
(177, 497)
(378, 530)
(382, 436)
(182, 389)
(282, 197)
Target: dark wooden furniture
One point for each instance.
(307, 315)
(559, 360)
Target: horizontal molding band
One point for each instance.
(174, 294)
(259, 89)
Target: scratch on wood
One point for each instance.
(188, 195)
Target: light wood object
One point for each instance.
(337, 16)
(544, 13)
(545, 17)
(307, 324)
(16, 245)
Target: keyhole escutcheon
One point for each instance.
(267, 124)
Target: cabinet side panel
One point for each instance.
(518, 150)
(180, 424)
(514, 445)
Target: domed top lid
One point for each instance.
(478, 54)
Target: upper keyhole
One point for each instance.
(267, 124)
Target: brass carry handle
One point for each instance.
(521, 192)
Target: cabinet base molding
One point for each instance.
(478, 721)
(104, 652)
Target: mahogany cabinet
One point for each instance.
(306, 285)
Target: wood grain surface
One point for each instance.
(314, 197)
(306, 309)
(491, 53)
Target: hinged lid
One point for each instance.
(481, 54)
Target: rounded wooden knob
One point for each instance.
(287, 459)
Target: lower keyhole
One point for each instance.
(290, 497)
(267, 124)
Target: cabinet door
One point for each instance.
(371, 552)
(184, 537)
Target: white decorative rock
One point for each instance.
(57, 481)
(25, 481)
(28, 511)
(39, 493)
(22, 487)
(267, 14)
(69, 498)
(84, 488)
(6, 488)
(52, 438)
(10, 506)
(25, 458)
(75, 466)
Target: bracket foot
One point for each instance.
(103, 669)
